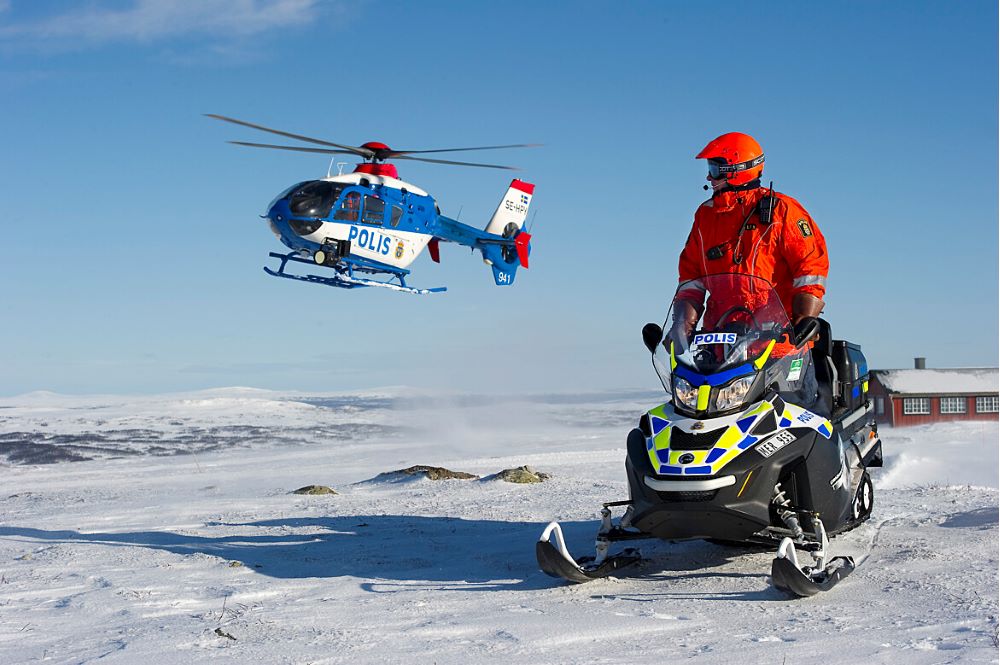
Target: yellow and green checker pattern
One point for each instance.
(734, 440)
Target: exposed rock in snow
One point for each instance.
(314, 490)
(522, 474)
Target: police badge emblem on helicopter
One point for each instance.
(369, 226)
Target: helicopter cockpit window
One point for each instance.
(349, 208)
(374, 210)
(397, 212)
(314, 199)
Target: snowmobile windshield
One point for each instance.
(721, 323)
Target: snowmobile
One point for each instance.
(749, 449)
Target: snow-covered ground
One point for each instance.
(174, 538)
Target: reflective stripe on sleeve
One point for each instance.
(809, 280)
(695, 284)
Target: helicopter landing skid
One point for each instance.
(345, 278)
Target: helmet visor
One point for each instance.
(718, 168)
(715, 169)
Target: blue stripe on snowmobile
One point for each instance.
(719, 379)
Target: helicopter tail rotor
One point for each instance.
(513, 209)
(507, 222)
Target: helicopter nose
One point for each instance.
(274, 228)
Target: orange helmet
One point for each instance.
(734, 156)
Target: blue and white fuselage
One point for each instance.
(386, 220)
(379, 222)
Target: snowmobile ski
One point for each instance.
(793, 581)
(556, 561)
(801, 582)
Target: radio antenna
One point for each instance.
(531, 224)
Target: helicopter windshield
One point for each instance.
(314, 199)
(721, 322)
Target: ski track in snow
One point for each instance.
(143, 555)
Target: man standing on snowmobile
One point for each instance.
(749, 229)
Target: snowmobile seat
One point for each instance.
(826, 369)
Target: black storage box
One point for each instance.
(852, 374)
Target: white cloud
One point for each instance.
(148, 21)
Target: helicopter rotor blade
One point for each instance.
(328, 151)
(364, 152)
(395, 153)
(445, 161)
(296, 148)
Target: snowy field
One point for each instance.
(163, 530)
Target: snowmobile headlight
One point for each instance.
(685, 394)
(732, 395)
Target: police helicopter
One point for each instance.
(369, 226)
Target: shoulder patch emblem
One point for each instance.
(804, 228)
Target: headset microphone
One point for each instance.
(705, 187)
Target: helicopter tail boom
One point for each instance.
(503, 255)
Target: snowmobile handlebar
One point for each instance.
(805, 330)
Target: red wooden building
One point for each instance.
(917, 396)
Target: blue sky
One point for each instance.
(133, 247)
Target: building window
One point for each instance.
(880, 406)
(988, 404)
(953, 405)
(916, 406)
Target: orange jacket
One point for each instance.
(790, 252)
